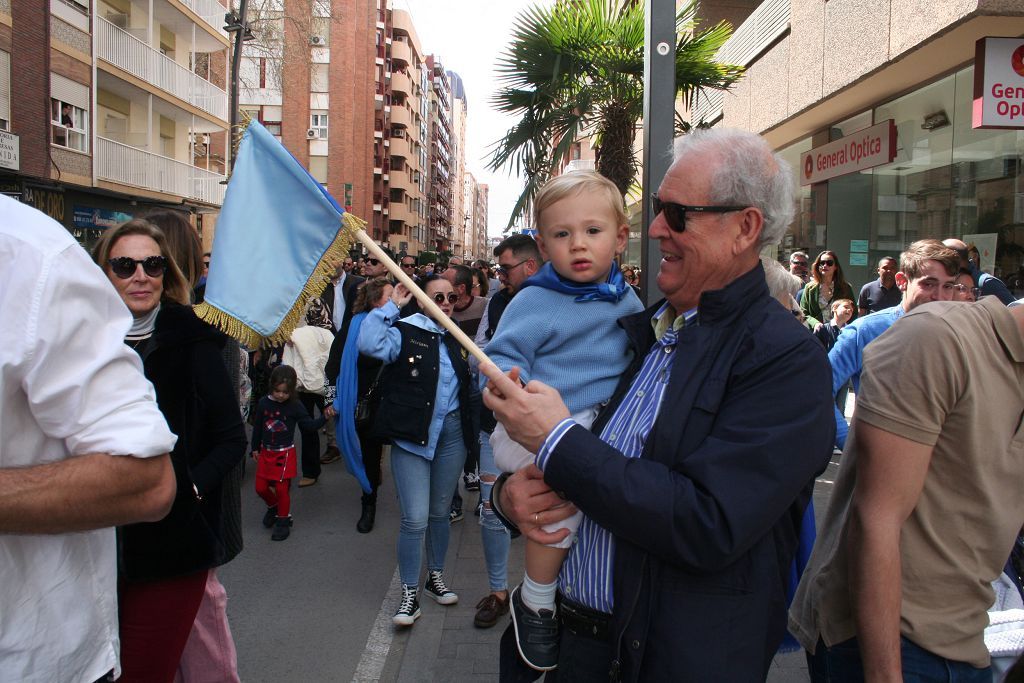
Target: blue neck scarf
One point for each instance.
(612, 289)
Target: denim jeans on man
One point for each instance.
(493, 534)
(424, 494)
(841, 663)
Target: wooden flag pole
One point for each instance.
(425, 301)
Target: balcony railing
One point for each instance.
(127, 52)
(764, 25)
(211, 12)
(127, 165)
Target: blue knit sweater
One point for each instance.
(576, 347)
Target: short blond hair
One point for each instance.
(568, 184)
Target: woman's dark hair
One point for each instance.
(838, 280)
(369, 294)
(182, 241)
(284, 374)
(481, 278)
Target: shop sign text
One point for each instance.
(10, 156)
(858, 151)
(998, 83)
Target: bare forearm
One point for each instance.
(875, 587)
(86, 492)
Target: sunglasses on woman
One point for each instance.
(452, 297)
(124, 267)
(826, 262)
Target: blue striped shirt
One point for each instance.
(586, 576)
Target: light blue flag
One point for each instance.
(277, 237)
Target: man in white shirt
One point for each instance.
(83, 448)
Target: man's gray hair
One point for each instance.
(748, 173)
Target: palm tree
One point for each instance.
(577, 69)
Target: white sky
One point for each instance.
(468, 36)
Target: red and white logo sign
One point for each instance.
(998, 83)
(1017, 61)
(858, 151)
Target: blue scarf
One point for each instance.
(345, 404)
(612, 289)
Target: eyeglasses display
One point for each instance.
(125, 267)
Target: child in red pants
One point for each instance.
(273, 447)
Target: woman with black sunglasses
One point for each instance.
(827, 285)
(430, 413)
(163, 566)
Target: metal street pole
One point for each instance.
(236, 62)
(659, 126)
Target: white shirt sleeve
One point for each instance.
(83, 385)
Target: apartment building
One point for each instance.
(480, 221)
(111, 107)
(872, 103)
(461, 239)
(440, 157)
(347, 87)
(409, 97)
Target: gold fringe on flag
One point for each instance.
(314, 287)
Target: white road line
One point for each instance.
(378, 644)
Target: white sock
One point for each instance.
(538, 596)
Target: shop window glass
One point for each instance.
(988, 190)
(69, 125)
(804, 233)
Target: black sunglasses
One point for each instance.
(373, 261)
(503, 270)
(675, 214)
(407, 265)
(452, 297)
(124, 267)
(826, 262)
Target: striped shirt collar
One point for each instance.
(666, 318)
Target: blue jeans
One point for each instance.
(495, 537)
(424, 494)
(841, 663)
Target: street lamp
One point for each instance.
(236, 25)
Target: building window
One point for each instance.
(69, 125)
(273, 127)
(318, 168)
(5, 91)
(318, 123)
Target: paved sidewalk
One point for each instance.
(444, 646)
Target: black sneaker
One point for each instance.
(269, 517)
(472, 481)
(282, 529)
(454, 516)
(536, 634)
(436, 588)
(408, 609)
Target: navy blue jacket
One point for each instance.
(706, 520)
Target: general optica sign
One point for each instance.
(858, 151)
(998, 83)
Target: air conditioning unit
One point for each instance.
(311, 134)
(317, 40)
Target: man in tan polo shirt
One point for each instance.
(927, 503)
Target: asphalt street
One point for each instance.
(317, 607)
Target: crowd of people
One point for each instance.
(659, 461)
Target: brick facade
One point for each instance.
(351, 85)
(295, 79)
(30, 51)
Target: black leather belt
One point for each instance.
(583, 621)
